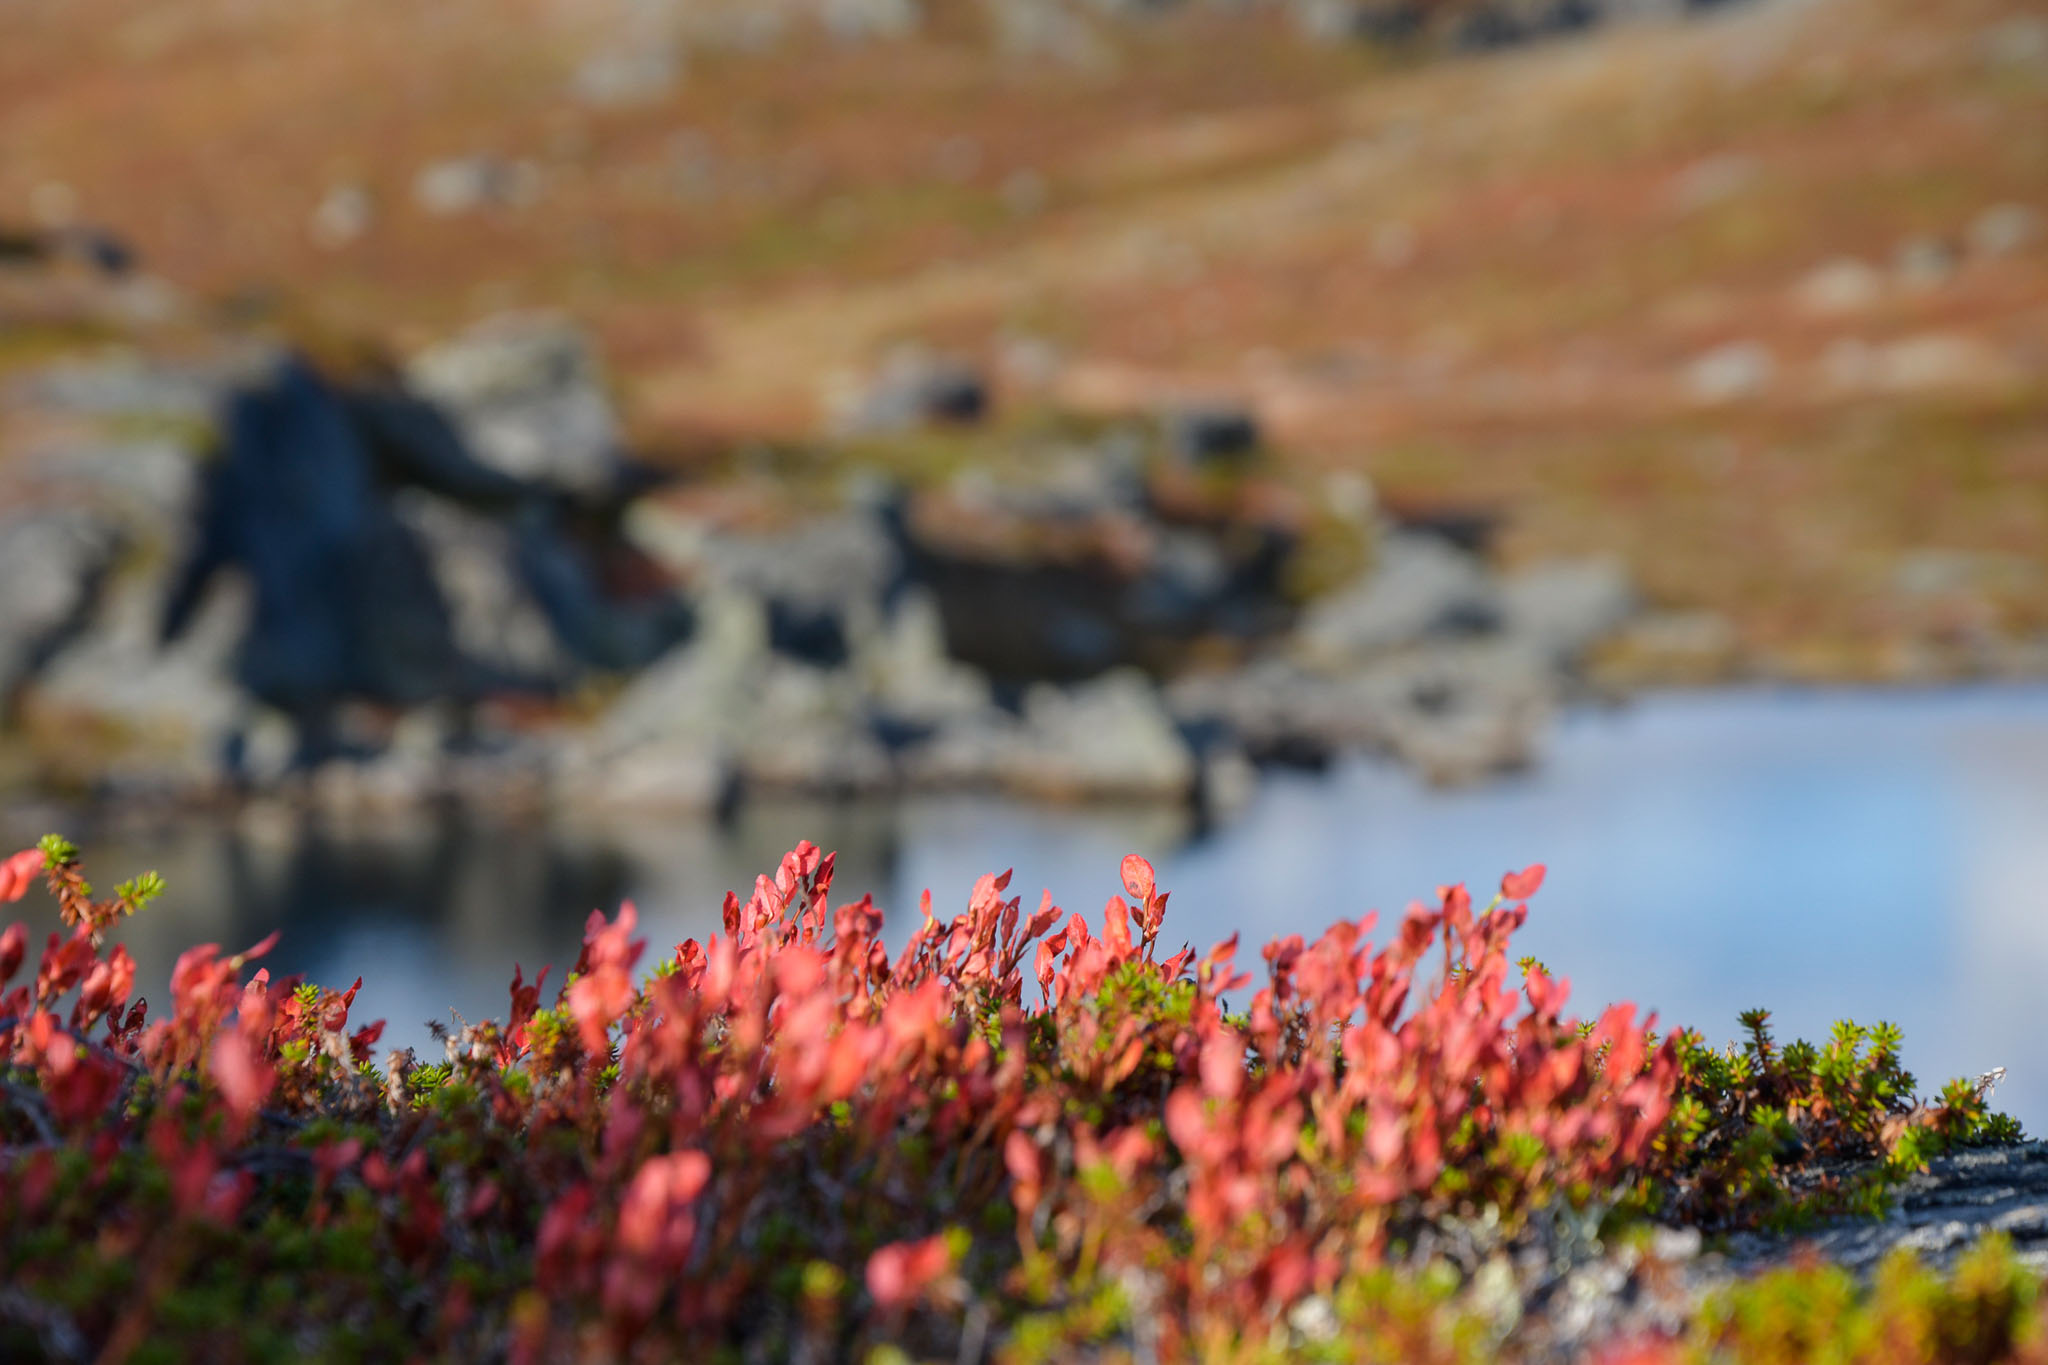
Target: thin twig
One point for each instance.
(53, 1327)
(31, 1104)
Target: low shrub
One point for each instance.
(1024, 1136)
(1987, 1311)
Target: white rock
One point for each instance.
(859, 20)
(495, 618)
(465, 184)
(1109, 737)
(343, 214)
(1564, 607)
(908, 673)
(162, 717)
(1843, 285)
(49, 565)
(2003, 229)
(628, 76)
(2017, 44)
(528, 395)
(1417, 585)
(1924, 263)
(1730, 373)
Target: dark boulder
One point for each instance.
(347, 604)
(1204, 436)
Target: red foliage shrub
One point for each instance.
(788, 1141)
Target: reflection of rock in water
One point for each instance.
(446, 904)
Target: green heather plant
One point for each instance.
(1024, 1137)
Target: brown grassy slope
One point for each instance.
(1478, 280)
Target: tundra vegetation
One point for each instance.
(1024, 1136)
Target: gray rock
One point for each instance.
(859, 20)
(905, 669)
(1278, 709)
(831, 563)
(465, 184)
(1562, 608)
(1459, 713)
(527, 394)
(1924, 263)
(912, 388)
(807, 730)
(1381, 21)
(494, 616)
(149, 718)
(343, 214)
(687, 692)
(628, 75)
(1841, 286)
(1730, 373)
(2019, 44)
(1938, 1215)
(726, 708)
(2003, 229)
(663, 741)
(1109, 737)
(125, 385)
(1454, 711)
(51, 565)
(1106, 739)
(1047, 29)
(1419, 586)
(147, 486)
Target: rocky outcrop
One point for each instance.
(453, 583)
(1427, 656)
(527, 395)
(1937, 1215)
(1566, 1294)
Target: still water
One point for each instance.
(1825, 854)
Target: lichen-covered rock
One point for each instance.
(1419, 586)
(911, 388)
(1938, 1215)
(1106, 739)
(527, 393)
(50, 564)
(1561, 608)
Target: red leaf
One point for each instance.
(1020, 1155)
(1116, 926)
(899, 1273)
(1222, 1066)
(1138, 878)
(18, 873)
(245, 1080)
(13, 946)
(1519, 886)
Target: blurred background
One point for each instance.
(464, 465)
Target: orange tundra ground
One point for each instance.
(1704, 293)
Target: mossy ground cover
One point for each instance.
(1025, 1136)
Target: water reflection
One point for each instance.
(1826, 854)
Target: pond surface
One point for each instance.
(1826, 854)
